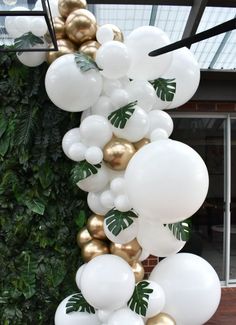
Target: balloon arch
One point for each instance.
(142, 186)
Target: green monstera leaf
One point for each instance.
(165, 88)
(139, 300)
(117, 221)
(181, 230)
(120, 117)
(26, 41)
(85, 63)
(83, 170)
(78, 303)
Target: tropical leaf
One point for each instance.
(181, 230)
(85, 62)
(26, 126)
(165, 88)
(27, 280)
(139, 300)
(117, 221)
(26, 41)
(78, 303)
(82, 170)
(35, 205)
(3, 125)
(120, 117)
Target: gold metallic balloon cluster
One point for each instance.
(76, 29)
(93, 242)
(161, 319)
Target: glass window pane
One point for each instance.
(233, 202)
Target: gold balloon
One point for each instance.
(65, 46)
(94, 248)
(117, 153)
(83, 237)
(137, 268)
(161, 319)
(130, 252)
(81, 26)
(59, 27)
(90, 48)
(65, 7)
(118, 35)
(95, 226)
(138, 145)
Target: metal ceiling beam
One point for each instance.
(220, 49)
(194, 18)
(153, 15)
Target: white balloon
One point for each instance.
(158, 134)
(144, 255)
(69, 88)
(32, 59)
(109, 85)
(124, 82)
(96, 182)
(94, 155)
(115, 174)
(157, 239)
(104, 314)
(95, 205)
(119, 98)
(95, 130)
(160, 120)
(114, 60)
(38, 26)
(107, 199)
(10, 23)
(159, 104)
(191, 286)
(125, 236)
(122, 203)
(135, 128)
(187, 78)
(71, 137)
(85, 114)
(143, 92)
(125, 316)
(117, 185)
(108, 282)
(104, 34)
(166, 180)
(78, 274)
(77, 151)
(103, 106)
(140, 42)
(54, 8)
(75, 317)
(22, 24)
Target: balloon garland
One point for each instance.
(142, 187)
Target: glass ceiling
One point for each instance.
(218, 52)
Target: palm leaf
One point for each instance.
(27, 126)
(139, 300)
(120, 117)
(85, 63)
(116, 221)
(78, 303)
(82, 170)
(181, 230)
(165, 88)
(26, 41)
(35, 205)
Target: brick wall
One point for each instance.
(207, 107)
(149, 264)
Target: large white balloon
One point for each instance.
(95, 130)
(69, 88)
(71, 137)
(186, 71)
(135, 128)
(96, 182)
(166, 180)
(140, 42)
(143, 92)
(113, 58)
(124, 316)
(192, 288)
(95, 205)
(157, 239)
(107, 282)
(78, 274)
(160, 120)
(75, 317)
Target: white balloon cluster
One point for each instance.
(184, 286)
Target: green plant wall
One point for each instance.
(40, 209)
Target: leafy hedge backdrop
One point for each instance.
(40, 209)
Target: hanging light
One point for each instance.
(26, 26)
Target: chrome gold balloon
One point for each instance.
(137, 268)
(94, 248)
(118, 35)
(138, 145)
(65, 7)
(130, 252)
(83, 237)
(117, 153)
(95, 226)
(161, 319)
(90, 48)
(65, 46)
(81, 26)
(59, 27)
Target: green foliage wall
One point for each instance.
(40, 210)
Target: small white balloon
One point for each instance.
(144, 255)
(114, 60)
(22, 24)
(158, 134)
(10, 23)
(38, 26)
(71, 137)
(104, 34)
(117, 185)
(104, 314)
(77, 151)
(95, 130)
(32, 59)
(122, 203)
(107, 199)
(78, 274)
(125, 236)
(85, 114)
(95, 205)
(109, 85)
(94, 155)
(103, 106)
(125, 316)
(143, 92)
(161, 120)
(96, 182)
(119, 98)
